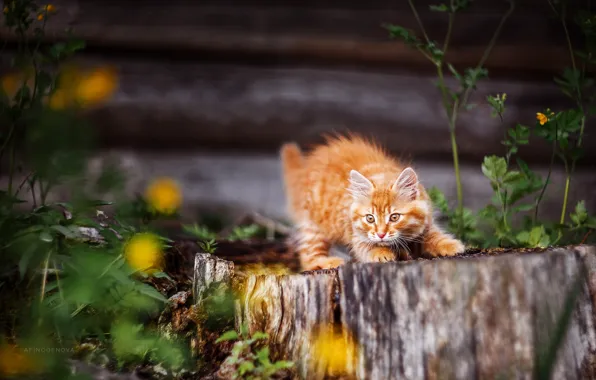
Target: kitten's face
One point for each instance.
(387, 216)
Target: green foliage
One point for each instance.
(200, 232)
(132, 343)
(454, 100)
(249, 358)
(68, 265)
(516, 188)
(207, 238)
(244, 232)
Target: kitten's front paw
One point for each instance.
(324, 263)
(448, 247)
(381, 255)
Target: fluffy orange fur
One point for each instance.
(349, 191)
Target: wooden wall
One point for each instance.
(233, 80)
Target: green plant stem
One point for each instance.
(109, 266)
(550, 170)
(418, 20)
(44, 277)
(503, 209)
(448, 34)
(565, 196)
(562, 16)
(43, 192)
(490, 46)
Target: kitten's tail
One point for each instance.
(292, 162)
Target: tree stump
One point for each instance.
(480, 316)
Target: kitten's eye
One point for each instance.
(394, 217)
(370, 218)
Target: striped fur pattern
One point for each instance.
(349, 191)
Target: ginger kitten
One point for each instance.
(349, 191)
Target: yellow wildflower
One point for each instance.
(542, 118)
(13, 361)
(50, 8)
(164, 195)
(83, 87)
(144, 252)
(335, 351)
(13, 82)
(40, 17)
(59, 99)
(96, 87)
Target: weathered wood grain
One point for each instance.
(209, 270)
(331, 32)
(289, 309)
(235, 108)
(461, 319)
(472, 317)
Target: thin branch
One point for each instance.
(490, 46)
(419, 21)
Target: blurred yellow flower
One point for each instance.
(58, 100)
(5, 9)
(542, 118)
(144, 252)
(97, 86)
(164, 195)
(83, 87)
(13, 361)
(335, 351)
(50, 8)
(12, 82)
(40, 17)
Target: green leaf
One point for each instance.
(454, 71)
(439, 8)
(228, 335)
(438, 199)
(494, 168)
(260, 335)
(45, 236)
(245, 367)
(150, 292)
(512, 177)
(201, 232)
(67, 232)
(522, 208)
(523, 237)
(403, 34)
(581, 214)
(283, 364)
(25, 259)
(74, 45)
(263, 355)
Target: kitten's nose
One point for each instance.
(381, 234)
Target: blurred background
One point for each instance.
(210, 89)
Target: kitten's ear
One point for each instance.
(360, 186)
(406, 184)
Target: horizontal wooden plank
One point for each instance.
(350, 35)
(185, 105)
(232, 185)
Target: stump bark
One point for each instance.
(473, 317)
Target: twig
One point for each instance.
(419, 21)
(586, 237)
